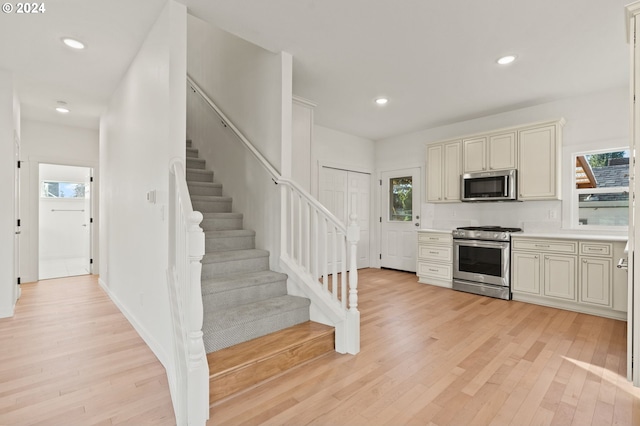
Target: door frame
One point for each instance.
(31, 215)
(379, 212)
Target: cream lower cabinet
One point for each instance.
(435, 258)
(569, 274)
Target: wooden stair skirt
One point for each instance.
(245, 365)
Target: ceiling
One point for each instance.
(434, 60)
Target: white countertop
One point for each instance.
(565, 236)
(570, 236)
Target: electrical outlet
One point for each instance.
(553, 214)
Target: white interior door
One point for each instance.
(400, 218)
(344, 192)
(64, 226)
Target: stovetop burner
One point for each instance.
(490, 228)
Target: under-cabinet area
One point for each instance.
(574, 272)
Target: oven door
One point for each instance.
(481, 261)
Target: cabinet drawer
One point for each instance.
(429, 238)
(435, 253)
(596, 249)
(426, 269)
(558, 246)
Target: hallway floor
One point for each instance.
(69, 357)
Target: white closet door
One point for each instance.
(343, 192)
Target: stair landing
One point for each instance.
(242, 366)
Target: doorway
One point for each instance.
(399, 220)
(65, 221)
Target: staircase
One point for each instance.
(252, 329)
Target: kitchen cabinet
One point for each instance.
(532, 149)
(569, 274)
(539, 162)
(491, 152)
(444, 167)
(435, 257)
(596, 273)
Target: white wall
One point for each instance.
(596, 120)
(9, 124)
(52, 144)
(244, 80)
(141, 131)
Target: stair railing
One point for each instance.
(316, 248)
(190, 389)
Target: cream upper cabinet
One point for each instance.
(502, 151)
(444, 165)
(538, 162)
(474, 155)
(492, 152)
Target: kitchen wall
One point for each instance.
(595, 121)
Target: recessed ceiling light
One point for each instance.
(73, 43)
(506, 59)
(62, 107)
(382, 101)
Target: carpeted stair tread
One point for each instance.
(234, 255)
(196, 163)
(204, 184)
(192, 153)
(221, 221)
(212, 198)
(250, 279)
(224, 328)
(230, 233)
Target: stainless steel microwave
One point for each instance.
(500, 185)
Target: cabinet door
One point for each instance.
(525, 269)
(452, 171)
(475, 159)
(537, 163)
(434, 172)
(502, 151)
(560, 276)
(595, 281)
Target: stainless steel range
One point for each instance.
(482, 260)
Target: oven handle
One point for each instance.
(481, 243)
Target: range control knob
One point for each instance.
(503, 236)
(495, 236)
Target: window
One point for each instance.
(602, 188)
(53, 189)
(401, 199)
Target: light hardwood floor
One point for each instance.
(69, 357)
(434, 356)
(429, 356)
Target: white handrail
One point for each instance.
(227, 123)
(190, 387)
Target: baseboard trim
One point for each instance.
(153, 344)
